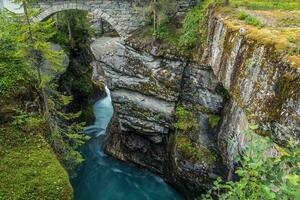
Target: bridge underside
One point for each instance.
(122, 16)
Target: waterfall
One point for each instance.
(103, 111)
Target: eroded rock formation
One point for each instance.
(237, 81)
(146, 89)
(263, 86)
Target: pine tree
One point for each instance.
(161, 10)
(76, 24)
(36, 36)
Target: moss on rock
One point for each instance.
(185, 120)
(194, 152)
(214, 120)
(29, 168)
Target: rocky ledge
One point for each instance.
(147, 91)
(262, 84)
(184, 119)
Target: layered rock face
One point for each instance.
(145, 90)
(194, 156)
(264, 89)
(171, 115)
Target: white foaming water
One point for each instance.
(117, 170)
(103, 111)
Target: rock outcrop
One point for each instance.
(194, 152)
(263, 86)
(185, 120)
(146, 89)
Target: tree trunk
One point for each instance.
(226, 2)
(45, 108)
(37, 61)
(27, 20)
(70, 31)
(56, 20)
(154, 17)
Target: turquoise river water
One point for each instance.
(104, 178)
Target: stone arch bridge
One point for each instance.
(124, 16)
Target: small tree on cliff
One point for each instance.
(159, 11)
(76, 24)
(35, 36)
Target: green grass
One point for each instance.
(250, 20)
(267, 4)
(29, 168)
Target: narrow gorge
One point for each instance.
(233, 77)
(139, 113)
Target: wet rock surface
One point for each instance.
(146, 90)
(237, 82)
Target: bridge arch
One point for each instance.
(122, 24)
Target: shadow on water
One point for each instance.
(104, 178)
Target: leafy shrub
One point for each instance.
(243, 15)
(263, 175)
(167, 32)
(192, 32)
(20, 119)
